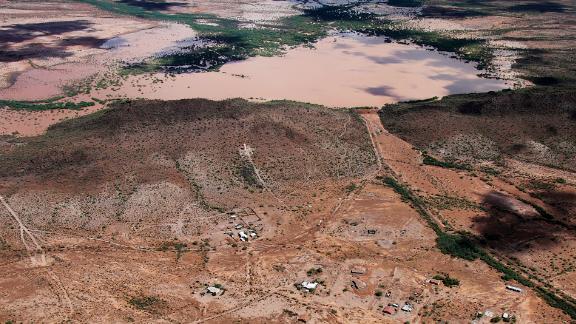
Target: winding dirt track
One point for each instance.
(38, 257)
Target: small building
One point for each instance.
(238, 226)
(371, 232)
(243, 236)
(214, 291)
(389, 310)
(505, 316)
(513, 288)
(394, 305)
(309, 285)
(407, 308)
(488, 313)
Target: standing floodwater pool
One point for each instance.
(343, 71)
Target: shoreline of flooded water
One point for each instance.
(343, 70)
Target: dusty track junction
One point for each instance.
(116, 208)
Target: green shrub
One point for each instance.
(49, 104)
(428, 160)
(447, 280)
(144, 302)
(351, 187)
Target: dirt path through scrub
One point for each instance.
(37, 255)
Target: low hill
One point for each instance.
(535, 125)
(155, 157)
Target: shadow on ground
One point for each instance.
(11, 37)
(514, 226)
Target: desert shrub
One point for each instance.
(447, 280)
(314, 271)
(428, 160)
(351, 187)
(144, 302)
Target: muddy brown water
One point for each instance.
(340, 71)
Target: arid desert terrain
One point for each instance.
(290, 161)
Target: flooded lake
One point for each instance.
(340, 71)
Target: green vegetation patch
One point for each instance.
(146, 303)
(429, 160)
(351, 187)
(48, 104)
(447, 280)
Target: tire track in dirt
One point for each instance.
(38, 257)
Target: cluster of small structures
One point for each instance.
(505, 317)
(393, 307)
(245, 224)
